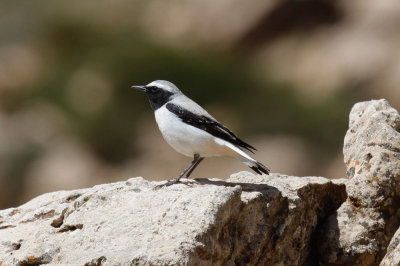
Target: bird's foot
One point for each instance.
(174, 181)
(168, 183)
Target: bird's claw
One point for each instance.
(168, 183)
(175, 181)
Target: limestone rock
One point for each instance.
(245, 220)
(372, 154)
(392, 256)
(310, 200)
(359, 232)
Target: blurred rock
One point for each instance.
(359, 49)
(283, 154)
(360, 231)
(191, 23)
(89, 91)
(335, 168)
(247, 220)
(66, 164)
(20, 66)
(38, 155)
(24, 135)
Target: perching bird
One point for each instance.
(190, 130)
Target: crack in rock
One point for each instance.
(60, 220)
(70, 228)
(73, 197)
(34, 261)
(96, 262)
(7, 226)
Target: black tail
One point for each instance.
(258, 167)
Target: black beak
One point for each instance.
(142, 88)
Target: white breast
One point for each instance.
(187, 139)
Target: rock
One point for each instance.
(359, 232)
(246, 220)
(392, 256)
(310, 200)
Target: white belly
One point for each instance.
(187, 139)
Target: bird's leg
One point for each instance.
(189, 169)
(194, 166)
(190, 166)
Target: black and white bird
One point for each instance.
(192, 131)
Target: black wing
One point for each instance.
(209, 125)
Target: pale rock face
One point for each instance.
(392, 256)
(372, 154)
(309, 199)
(360, 231)
(245, 220)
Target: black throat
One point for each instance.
(159, 98)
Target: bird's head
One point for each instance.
(159, 92)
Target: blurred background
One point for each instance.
(281, 74)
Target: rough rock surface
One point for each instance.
(360, 231)
(310, 200)
(245, 220)
(392, 256)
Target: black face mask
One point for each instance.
(157, 97)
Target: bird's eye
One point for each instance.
(153, 89)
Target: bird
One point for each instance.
(192, 131)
